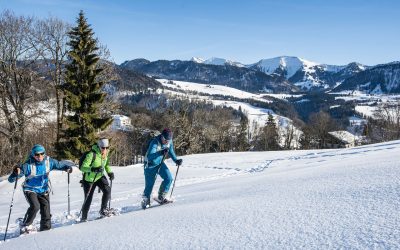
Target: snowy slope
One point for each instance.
(211, 89)
(257, 116)
(319, 199)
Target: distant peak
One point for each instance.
(217, 61)
(197, 60)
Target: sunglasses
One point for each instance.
(39, 154)
(164, 141)
(104, 147)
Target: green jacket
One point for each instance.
(97, 163)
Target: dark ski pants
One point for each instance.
(150, 175)
(38, 202)
(102, 183)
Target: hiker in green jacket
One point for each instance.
(94, 176)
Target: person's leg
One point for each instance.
(167, 180)
(88, 198)
(34, 207)
(102, 183)
(45, 221)
(150, 175)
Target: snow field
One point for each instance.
(317, 199)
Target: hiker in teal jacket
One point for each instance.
(94, 176)
(36, 170)
(159, 148)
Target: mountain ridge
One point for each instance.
(284, 74)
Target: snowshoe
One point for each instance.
(108, 212)
(80, 220)
(162, 200)
(27, 229)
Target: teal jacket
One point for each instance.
(155, 153)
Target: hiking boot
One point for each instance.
(162, 198)
(145, 203)
(84, 217)
(20, 222)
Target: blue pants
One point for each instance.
(150, 175)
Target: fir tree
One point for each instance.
(269, 135)
(272, 133)
(83, 93)
(242, 139)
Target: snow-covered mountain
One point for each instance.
(308, 75)
(285, 65)
(380, 79)
(300, 73)
(226, 74)
(315, 199)
(217, 61)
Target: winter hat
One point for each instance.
(103, 143)
(37, 148)
(167, 134)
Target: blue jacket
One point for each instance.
(37, 174)
(154, 154)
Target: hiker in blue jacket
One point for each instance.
(158, 149)
(36, 186)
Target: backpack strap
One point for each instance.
(91, 163)
(159, 147)
(93, 157)
(148, 147)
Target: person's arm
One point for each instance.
(62, 166)
(18, 171)
(152, 153)
(108, 169)
(107, 166)
(86, 164)
(171, 152)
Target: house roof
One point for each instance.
(343, 136)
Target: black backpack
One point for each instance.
(83, 157)
(147, 139)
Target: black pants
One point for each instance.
(102, 183)
(38, 202)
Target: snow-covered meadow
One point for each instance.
(317, 199)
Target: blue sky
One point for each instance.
(332, 32)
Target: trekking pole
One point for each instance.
(69, 199)
(173, 186)
(88, 193)
(109, 202)
(51, 187)
(12, 203)
(162, 160)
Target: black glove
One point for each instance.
(16, 170)
(179, 162)
(111, 175)
(96, 170)
(165, 151)
(68, 170)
